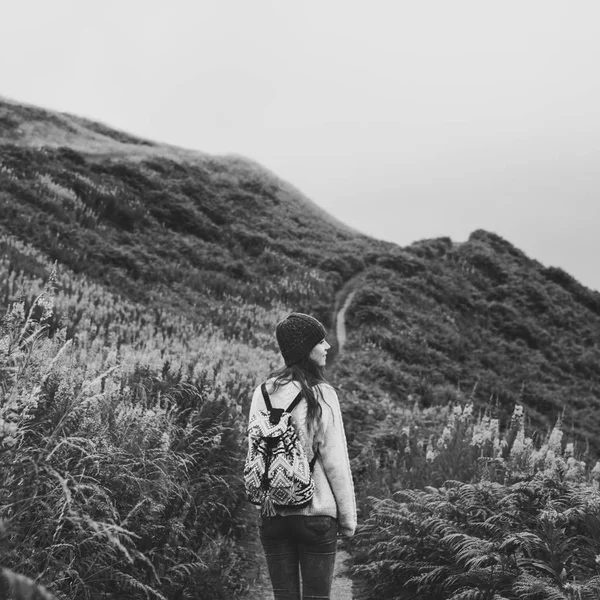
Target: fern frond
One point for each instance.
(530, 587)
(483, 578)
(438, 527)
(189, 568)
(495, 526)
(468, 594)
(538, 565)
(466, 549)
(131, 584)
(590, 589)
(433, 578)
(404, 495)
(524, 540)
(453, 484)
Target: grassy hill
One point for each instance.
(173, 267)
(482, 318)
(181, 231)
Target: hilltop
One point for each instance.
(442, 323)
(91, 199)
(216, 240)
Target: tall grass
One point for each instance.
(117, 478)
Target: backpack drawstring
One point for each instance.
(267, 508)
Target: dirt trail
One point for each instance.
(259, 584)
(343, 299)
(340, 322)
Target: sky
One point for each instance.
(405, 119)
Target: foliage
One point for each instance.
(123, 399)
(534, 539)
(430, 334)
(115, 478)
(490, 516)
(190, 236)
(467, 447)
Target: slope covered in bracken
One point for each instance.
(180, 230)
(443, 321)
(172, 268)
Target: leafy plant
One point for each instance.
(518, 520)
(112, 481)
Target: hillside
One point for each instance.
(195, 236)
(441, 323)
(140, 285)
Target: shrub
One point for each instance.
(535, 539)
(112, 484)
(490, 515)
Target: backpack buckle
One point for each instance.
(275, 415)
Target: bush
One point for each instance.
(535, 539)
(112, 483)
(489, 516)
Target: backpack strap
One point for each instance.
(263, 389)
(274, 413)
(290, 408)
(294, 403)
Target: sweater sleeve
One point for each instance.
(333, 454)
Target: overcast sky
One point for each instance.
(406, 119)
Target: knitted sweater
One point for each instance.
(334, 488)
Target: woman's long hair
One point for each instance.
(308, 374)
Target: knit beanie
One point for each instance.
(297, 335)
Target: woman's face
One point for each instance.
(319, 353)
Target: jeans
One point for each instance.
(300, 544)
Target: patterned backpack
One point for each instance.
(277, 472)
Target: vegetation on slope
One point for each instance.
(491, 516)
(119, 462)
(439, 322)
(173, 268)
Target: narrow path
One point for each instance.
(257, 577)
(342, 588)
(343, 299)
(340, 323)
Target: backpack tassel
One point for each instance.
(268, 508)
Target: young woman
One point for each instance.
(300, 543)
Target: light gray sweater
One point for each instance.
(334, 488)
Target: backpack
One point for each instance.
(277, 472)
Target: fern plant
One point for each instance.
(533, 539)
(113, 482)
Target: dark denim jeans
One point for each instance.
(300, 544)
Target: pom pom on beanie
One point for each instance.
(297, 335)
